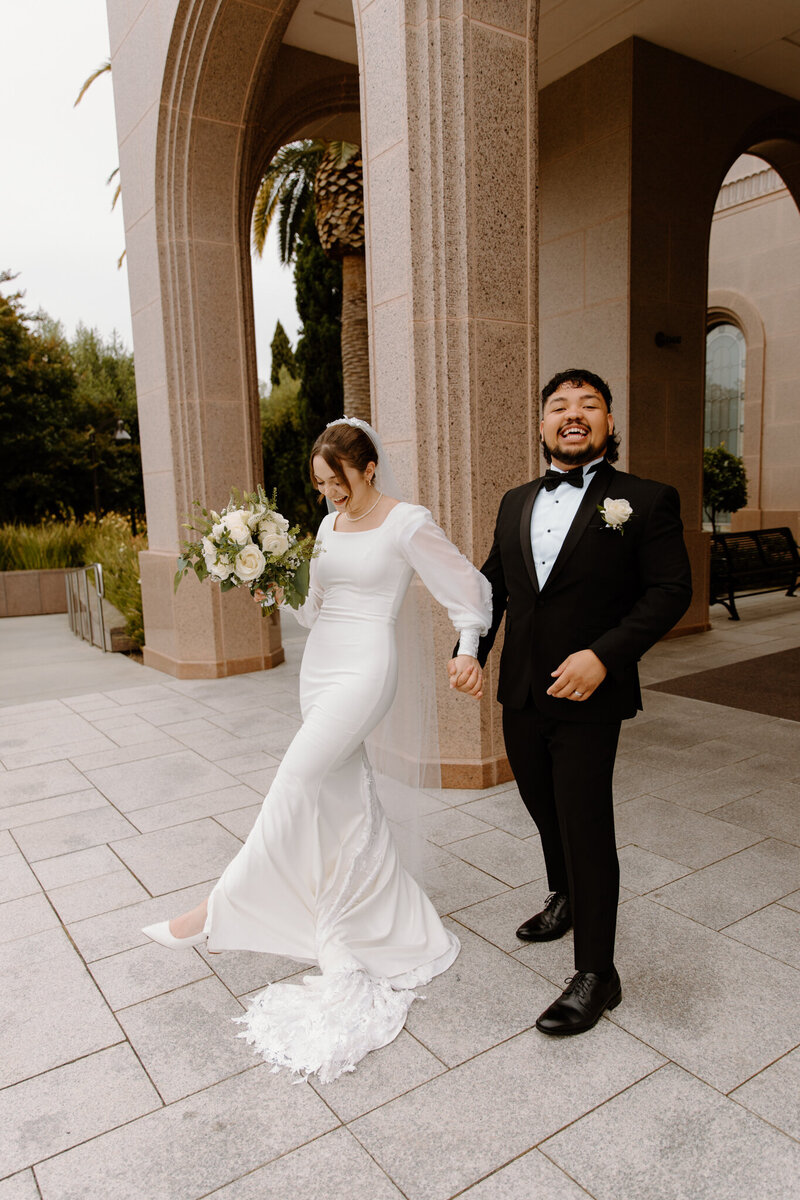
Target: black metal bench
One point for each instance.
(752, 562)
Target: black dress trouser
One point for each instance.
(564, 772)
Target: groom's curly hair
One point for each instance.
(340, 446)
(577, 377)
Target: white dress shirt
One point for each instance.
(553, 513)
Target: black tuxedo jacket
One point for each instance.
(615, 593)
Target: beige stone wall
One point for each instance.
(754, 280)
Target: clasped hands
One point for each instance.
(576, 678)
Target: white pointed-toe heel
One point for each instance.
(160, 933)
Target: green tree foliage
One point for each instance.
(724, 483)
(282, 355)
(38, 443)
(284, 445)
(59, 407)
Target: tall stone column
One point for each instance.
(181, 74)
(448, 94)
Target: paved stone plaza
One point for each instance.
(123, 793)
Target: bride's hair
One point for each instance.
(340, 446)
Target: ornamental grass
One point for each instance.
(54, 544)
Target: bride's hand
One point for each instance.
(466, 675)
(277, 593)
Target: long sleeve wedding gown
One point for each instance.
(319, 878)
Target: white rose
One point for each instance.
(616, 512)
(209, 552)
(280, 521)
(255, 516)
(237, 525)
(220, 570)
(274, 543)
(267, 524)
(250, 563)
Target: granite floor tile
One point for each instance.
(73, 868)
(792, 901)
(16, 760)
(505, 810)
(212, 742)
(641, 871)
(186, 1039)
(16, 877)
(225, 695)
(160, 780)
(44, 1024)
(332, 1166)
(531, 1177)
(179, 856)
(277, 731)
(484, 998)
(146, 971)
(30, 914)
(121, 929)
(179, 812)
(43, 1116)
(259, 781)
(450, 825)
(774, 930)
(677, 833)
(632, 779)
(19, 1187)
(78, 831)
(774, 1094)
(419, 1139)
(249, 763)
(7, 844)
(456, 797)
(772, 812)
(240, 821)
(700, 998)
(382, 1076)
(43, 732)
(507, 858)
(90, 897)
(11, 714)
(671, 1137)
(150, 693)
(36, 811)
(40, 782)
(401, 803)
(498, 917)
(115, 756)
(457, 884)
(188, 1149)
(728, 890)
(119, 718)
(244, 971)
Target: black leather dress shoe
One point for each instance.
(552, 922)
(581, 1004)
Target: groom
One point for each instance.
(590, 569)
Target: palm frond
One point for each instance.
(287, 187)
(87, 83)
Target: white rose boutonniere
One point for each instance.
(615, 513)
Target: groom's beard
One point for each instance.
(576, 456)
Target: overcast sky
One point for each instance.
(56, 225)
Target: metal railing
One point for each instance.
(85, 603)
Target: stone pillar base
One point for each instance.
(696, 619)
(484, 774)
(216, 669)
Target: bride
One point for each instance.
(319, 878)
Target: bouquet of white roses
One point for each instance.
(249, 544)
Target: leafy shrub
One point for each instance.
(53, 544)
(724, 483)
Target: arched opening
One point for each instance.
(753, 332)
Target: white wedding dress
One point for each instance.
(319, 878)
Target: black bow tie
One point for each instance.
(553, 478)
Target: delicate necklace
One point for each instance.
(369, 510)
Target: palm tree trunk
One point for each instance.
(355, 343)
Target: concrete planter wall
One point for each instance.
(32, 593)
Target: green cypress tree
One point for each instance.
(282, 355)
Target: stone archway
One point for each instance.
(231, 93)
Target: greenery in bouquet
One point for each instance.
(249, 544)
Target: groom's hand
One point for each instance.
(466, 675)
(577, 677)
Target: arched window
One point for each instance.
(725, 364)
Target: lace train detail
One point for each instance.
(327, 1024)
